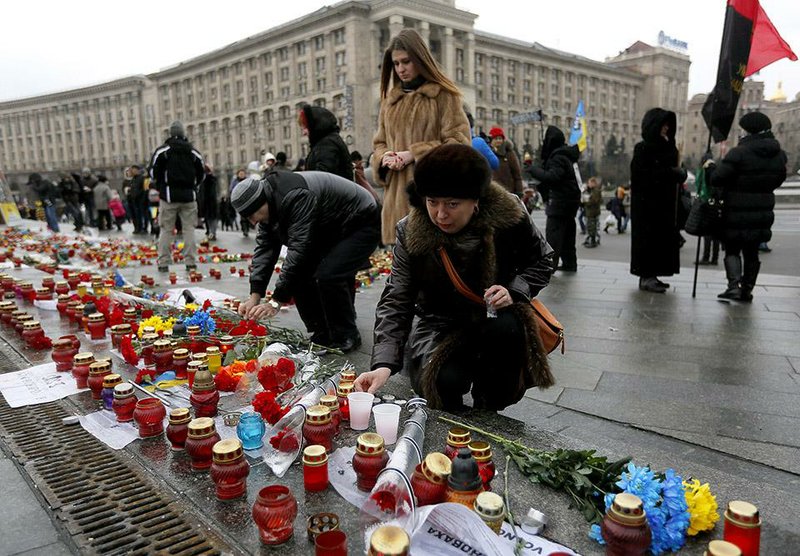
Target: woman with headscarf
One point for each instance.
(421, 108)
(656, 178)
(459, 342)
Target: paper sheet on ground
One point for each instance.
(36, 385)
(454, 530)
(200, 294)
(103, 425)
(443, 529)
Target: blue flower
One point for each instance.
(596, 535)
(203, 320)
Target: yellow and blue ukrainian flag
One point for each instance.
(578, 134)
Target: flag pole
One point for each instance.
(697, 252)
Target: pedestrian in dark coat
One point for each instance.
(208, 204)
(497, 251)
(328, 150)
(559, 185)
(47, 194)
(70, 193)
(330, 227)
(508, 172)
(656, 178)
(747, 178)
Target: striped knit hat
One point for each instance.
(248, 196)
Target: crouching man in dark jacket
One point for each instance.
(330, 227)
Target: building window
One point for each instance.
(320, 64)
(512, 82)
(284, 74)
(460, 56)
(460, 75)
(302, 69)
(319, 42)
(287, 132)
(341, 79)
(321, 84)
(283, 54)
(479, 77)
(478, 60)
(340, 58)
(512, 99)
(495, 63)
(512, 66)
(285, 92)
(267, 80)
(338, 36)
(301, 48)
(302, 88)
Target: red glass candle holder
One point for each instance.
(318, 427)
(429, 480)
(61, 305)
(315, 468)
(76, 343)
(62, 288)
(274, 513)
(624, 527)
(96, 323)
(743, 527)
(149, 416)
(342, 391)
(482, 453)
(162, 355)
(332, 403)
(180, 360)
(229, 469)
(44, 294)
(331, 543)
(97, 371)
(457, 438)
(204, 402)
(200, 442)
(63, 353)
(191, 370)
(119, 331)
(178, 427)
(369, 460)
(49, 283)
(124, 402)
(20, 326)
(148, 348)
(32, 333)
(80, 368)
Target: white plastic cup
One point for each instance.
(387, 419)
(360, 407)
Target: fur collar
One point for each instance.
(429, 89)
(499, 209)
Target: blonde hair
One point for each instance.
(411, 42)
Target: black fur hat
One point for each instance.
(755, 122)
(452, 170)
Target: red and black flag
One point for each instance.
(749, 43)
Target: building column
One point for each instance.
(449, 52)
(469, 58)
(395, 25)
(425, 32)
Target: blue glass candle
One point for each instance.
(108, 398)
(250, 430)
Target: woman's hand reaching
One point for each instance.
(372, 381)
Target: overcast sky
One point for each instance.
(52, 45)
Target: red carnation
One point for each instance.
(127, 351)
(285, 441)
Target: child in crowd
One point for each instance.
(592, 200)
(117, 209)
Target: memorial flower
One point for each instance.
(702, 507)
(127, 351)
(156, 322)
(202, 319)
(277, 377)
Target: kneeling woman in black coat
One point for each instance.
(498, 253)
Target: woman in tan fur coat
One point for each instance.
(420, 109)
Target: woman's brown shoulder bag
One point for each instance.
(551, 332)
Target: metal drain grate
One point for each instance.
(107, 505)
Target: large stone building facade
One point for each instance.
(241, 100)
(784, 114)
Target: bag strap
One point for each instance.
(461, 287)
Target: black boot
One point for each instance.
(733, 271)
(651, 284)
(337, 303)
(749, 278)
(308, 301)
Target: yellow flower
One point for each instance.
(156, 322)
(702, 507)
(191, 307)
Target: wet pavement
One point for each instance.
(707, 388)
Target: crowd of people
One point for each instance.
(455, 209)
